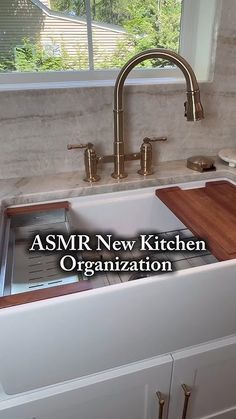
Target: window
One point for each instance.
(81, 40)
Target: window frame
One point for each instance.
(199, 26)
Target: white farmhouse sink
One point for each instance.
(127, 214)
(122, 214)
(104, 328)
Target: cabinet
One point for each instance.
(209, 370)
(127, 392)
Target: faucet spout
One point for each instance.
(193, 106)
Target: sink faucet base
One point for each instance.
(119, 175)
(193, 112)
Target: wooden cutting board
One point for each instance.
(209, 212)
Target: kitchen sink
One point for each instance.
(110, 326)
(123, 214)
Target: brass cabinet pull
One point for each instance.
(161, 404)
(187, 394)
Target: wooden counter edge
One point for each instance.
(39, 295)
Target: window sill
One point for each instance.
(92, 83)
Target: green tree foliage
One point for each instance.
(74, 7)
(6, 64)
(137, 14)
(32, 56)
(148, 23)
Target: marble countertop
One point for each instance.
(24, 190)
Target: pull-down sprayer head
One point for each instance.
(193, 106)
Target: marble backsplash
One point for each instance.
(37, 125)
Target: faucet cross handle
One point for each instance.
(146, 155)
(154, 139)
(72, 146)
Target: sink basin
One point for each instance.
(123, 214)
(104, 328)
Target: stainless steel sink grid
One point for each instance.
(22, 271)
(180, 260)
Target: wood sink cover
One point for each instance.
(209, 212)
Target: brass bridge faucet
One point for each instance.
(193, 112)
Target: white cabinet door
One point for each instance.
(128, 392)
(209, 370)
